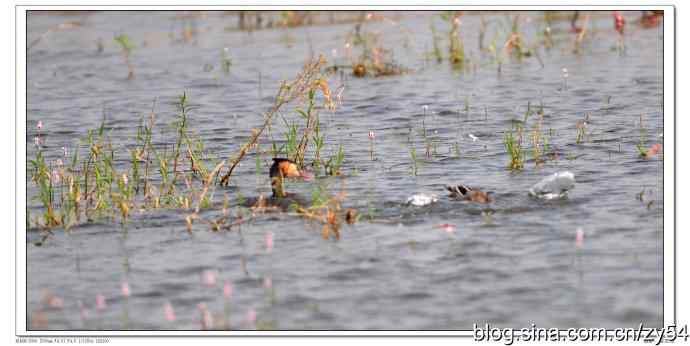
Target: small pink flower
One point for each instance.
(55, 302)
(268, 282)
(100, 302)
(227, 290)
(449, 228)
(39, 125)
(37, 141)
(208, 277)
(269, 242)
(579, 237)
(125, 289)
(372, 135)
(169, 312)
(251, 318)
(64, 152)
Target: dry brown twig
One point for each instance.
(287, 93)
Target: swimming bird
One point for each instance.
(469, 194)
(282, 168)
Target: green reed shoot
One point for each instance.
(642, 143)
(127, 47)
(413, 157)
(512, 141)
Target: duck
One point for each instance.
(469, 194)
(281, 169)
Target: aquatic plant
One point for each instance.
(413, 157)
(540, 143)
(333, 164)
(512, 141)
(225, 61)
(127, 46)
(373, 60)
(456, 49)
(372, 136)
(581, 128)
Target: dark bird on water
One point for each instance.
(469, 194)
(280, 170)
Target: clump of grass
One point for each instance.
(374, 60)
(334, 163)
(102, 190)
(581, 129)
(515, 44)
(42, 176)
(456, 48)
(512, 141)
(127, 47)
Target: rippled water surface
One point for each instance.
(395, 270)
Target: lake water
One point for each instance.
(394, 269)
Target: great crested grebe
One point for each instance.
(469, 194)
(282, 168)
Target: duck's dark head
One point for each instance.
(284, 168)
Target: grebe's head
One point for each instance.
(287, 169)
(284, 168)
